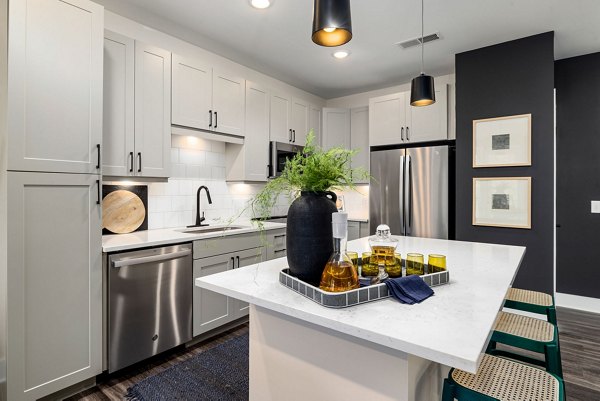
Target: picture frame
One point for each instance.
(502, 202)
(502, 141)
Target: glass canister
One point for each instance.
(383, 247)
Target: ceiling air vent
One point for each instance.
(417, 41)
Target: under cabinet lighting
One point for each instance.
(260, 4)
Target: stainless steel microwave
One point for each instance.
(279, 153)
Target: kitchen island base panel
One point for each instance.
(295, 360)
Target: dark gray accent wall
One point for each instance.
(511, 78)
(577, 82)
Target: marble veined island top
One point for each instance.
(450, 328)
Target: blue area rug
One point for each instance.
(219, 374)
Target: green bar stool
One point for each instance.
(530, 334)
(532, 301)
(501, 379)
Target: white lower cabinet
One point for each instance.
(210, 309)
(54, 277)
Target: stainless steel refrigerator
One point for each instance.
(412, 190)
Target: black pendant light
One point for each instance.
(422, 91)
(332, 24)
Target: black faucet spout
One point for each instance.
(200, 217)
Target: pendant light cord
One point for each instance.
(422, 37)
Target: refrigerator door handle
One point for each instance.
(402, 189)
(408, 195)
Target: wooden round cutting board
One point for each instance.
(122, 212)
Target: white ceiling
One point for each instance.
(276, 41)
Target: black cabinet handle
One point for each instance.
(407, 134)
(98, 187)
(139, 162)
(98, 165)
(290, 136)
(294, 136)
(216, 119)
(402, 133)
(233, 262)
(238, 260)
(210, 121)
(131, 166)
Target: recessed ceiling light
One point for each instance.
(340, 54)
(260, 4)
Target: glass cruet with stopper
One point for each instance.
(339, 273)
(383, 246)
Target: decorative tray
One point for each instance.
(352, 297)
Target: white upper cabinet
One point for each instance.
(137, 108)
(392, 120)
(55, 85)
(387, 118)
(289, 119)
(314, 123)
(430, 123)
(152, 111)
(192, 93)
(336, 128)
(359, 140)
(300, 111)
(118, 132)
(248, 162)
(281, 106)
(207, 98)
(228, 103)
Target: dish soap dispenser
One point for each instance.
(339, 273)
(383, 246)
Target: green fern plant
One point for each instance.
(312, 170)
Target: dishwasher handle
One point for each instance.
(153, 258)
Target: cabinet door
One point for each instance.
(314, 123)
(55, 85)
(359, 139)
(299, 121)
(228, 103)
(152, 111)
(256, 143)
(430, 123)
(387, 119)
(279, 128)
(353, 230)
(246, 258)
(192, 93)
(276, 245)
(211, 309)
(336, 128)
(118, 131)
(54, 277)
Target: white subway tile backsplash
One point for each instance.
(197, 162)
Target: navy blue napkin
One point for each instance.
(409, 289)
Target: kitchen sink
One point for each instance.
(205, 230)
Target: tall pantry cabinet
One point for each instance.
(53, 136)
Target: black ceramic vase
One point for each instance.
(309, 240)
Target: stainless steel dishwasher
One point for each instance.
(149, 303)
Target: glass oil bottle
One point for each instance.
(339, 273)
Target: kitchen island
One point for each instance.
(381, 350)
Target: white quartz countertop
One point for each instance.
(451, 328)
(165, 236)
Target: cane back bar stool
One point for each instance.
(532, 301)
(500, 379)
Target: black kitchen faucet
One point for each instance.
(200, 219)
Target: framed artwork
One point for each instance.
(339, 203)
(502, 202)
(502, 141)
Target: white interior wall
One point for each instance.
(3, 190)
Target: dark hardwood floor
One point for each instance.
(579, 341)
